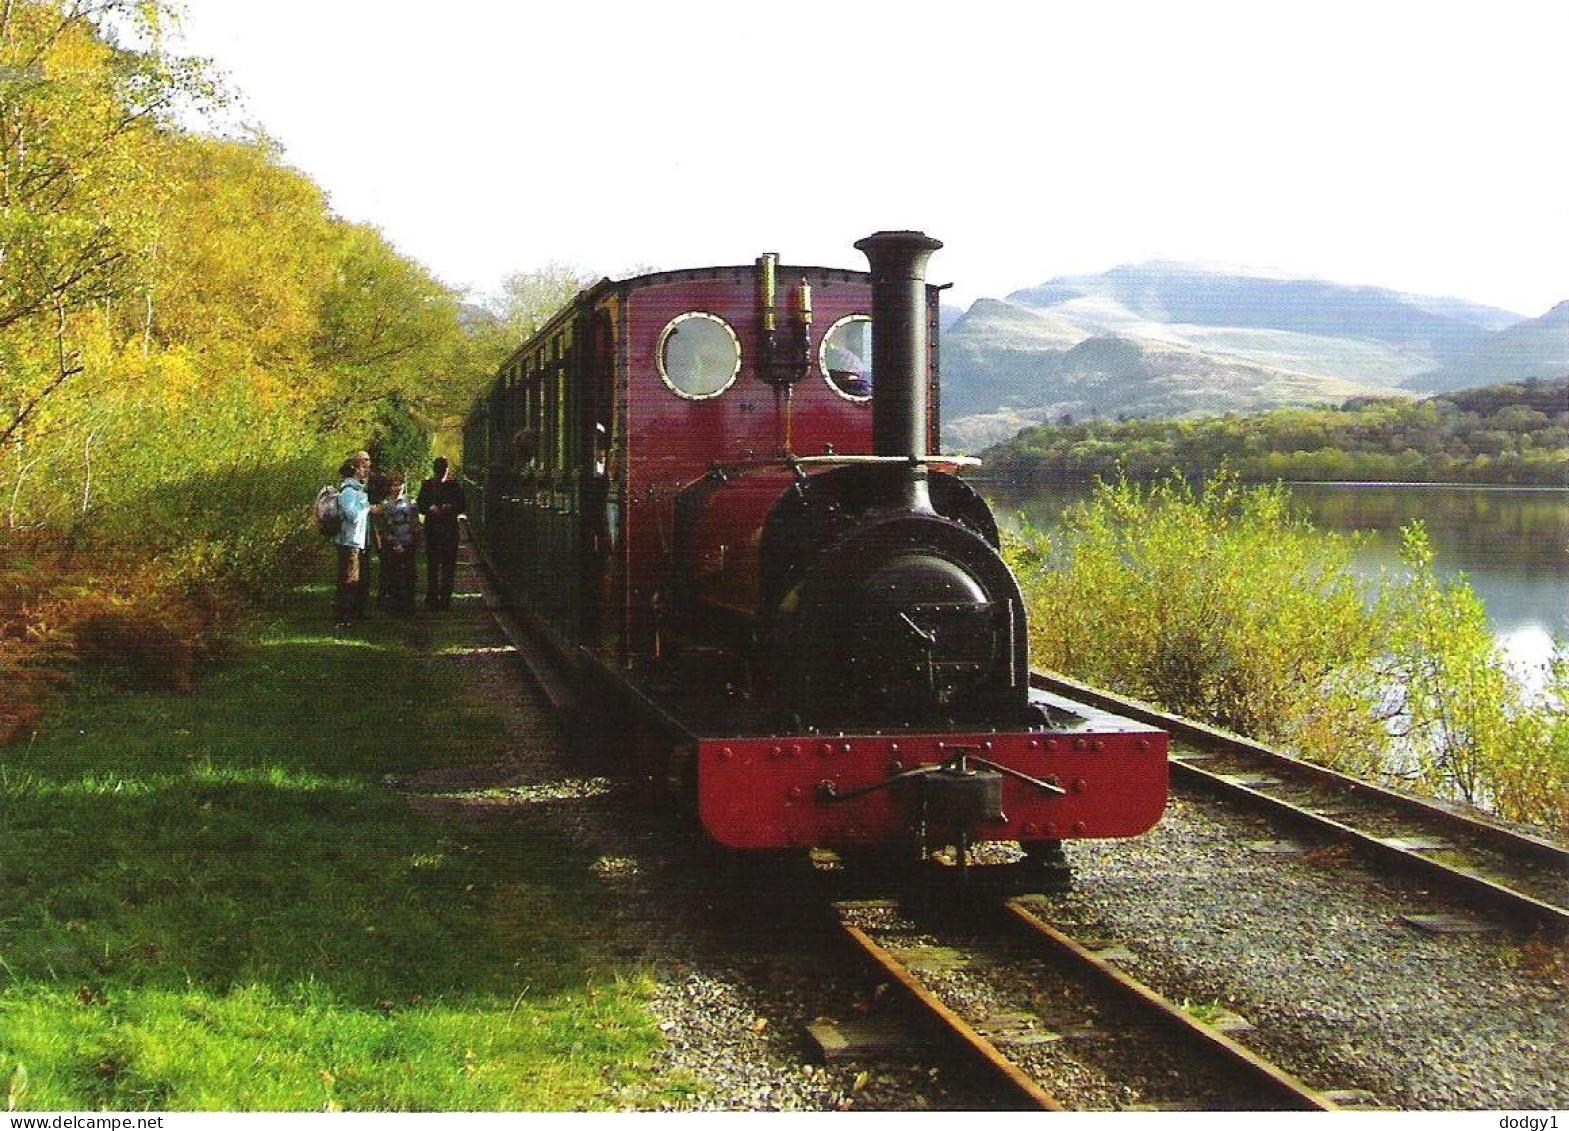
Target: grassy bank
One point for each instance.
(212, 901)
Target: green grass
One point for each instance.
(213, 902)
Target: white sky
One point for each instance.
(1420, 146)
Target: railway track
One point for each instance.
(1502, 873)
(1059, 1027)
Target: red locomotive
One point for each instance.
(714, 492)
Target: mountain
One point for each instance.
(1002, 388)
(1163, 339)
(1538, 348)
(1181, 295)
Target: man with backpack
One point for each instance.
(353, 591)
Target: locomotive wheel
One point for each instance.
(1045, 853)
(598, 732)
(680, 783)
(1045, 866)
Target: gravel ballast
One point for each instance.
(1214, 907)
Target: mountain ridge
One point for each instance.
(1177, 339)
(1536, 348)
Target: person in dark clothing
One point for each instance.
(441, 501)
(379, 488)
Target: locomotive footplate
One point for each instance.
(1085, 773)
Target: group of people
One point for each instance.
(377, 514)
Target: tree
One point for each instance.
(528, 299)
(76, 117)
(386, 329)
(238, 256)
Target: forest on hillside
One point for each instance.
(175, 301)
(191, 341)
(1515, 434)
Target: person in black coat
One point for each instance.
(441, 501)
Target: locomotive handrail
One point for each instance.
(957, 461)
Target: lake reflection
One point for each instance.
(1511, 544)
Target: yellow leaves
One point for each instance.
(242, 248)
(175, 306)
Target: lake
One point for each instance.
(1512, 544)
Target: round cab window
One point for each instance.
(846, 357)
(699, 355)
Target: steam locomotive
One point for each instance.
(714, 493)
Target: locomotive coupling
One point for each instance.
(962, 792)
(962, 799)
(951, 795)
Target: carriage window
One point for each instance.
(699, 355)
(846, 357)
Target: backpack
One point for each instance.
(329, 519)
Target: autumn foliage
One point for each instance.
(190, 342)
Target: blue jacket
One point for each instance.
(354, 502)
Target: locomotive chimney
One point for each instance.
(900, 369)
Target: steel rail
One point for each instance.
(1201, 734)
(1294, 1095)
(1473, 888)
(978, 1046)
(1276, 1089)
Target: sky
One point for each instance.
(1416, 146)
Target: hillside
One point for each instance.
(1006, 367)
(1538, 348)
(1513, 433)
(1163, 339)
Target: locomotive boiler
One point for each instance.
(718, 494)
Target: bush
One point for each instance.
(1466, 726)
(1222, 604)
(152, 583)
(1219, 603)
(400, 442)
